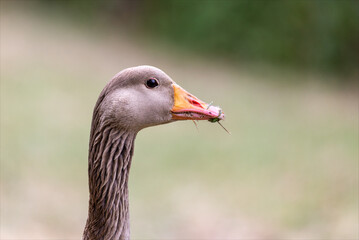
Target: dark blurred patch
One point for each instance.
(312, 35)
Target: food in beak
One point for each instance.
(188, 107)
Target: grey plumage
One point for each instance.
(125, 106)
(112, 136)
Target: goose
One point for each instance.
(136, 98)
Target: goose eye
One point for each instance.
(152, 83)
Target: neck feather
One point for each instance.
(110, 156)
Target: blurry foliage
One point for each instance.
(315, 35)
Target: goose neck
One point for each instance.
(109, 163)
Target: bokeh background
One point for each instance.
(285, 73)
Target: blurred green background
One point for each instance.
(285, 73)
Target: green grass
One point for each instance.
(289, 170)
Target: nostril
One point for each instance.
(195, 103)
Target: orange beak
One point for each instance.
(188, 107)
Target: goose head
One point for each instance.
(145, 96)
